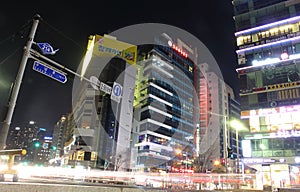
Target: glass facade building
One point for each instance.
(164, 109)
(268, 50)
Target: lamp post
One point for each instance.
(186, 162)
(237, 126)
(225, 137)
(237, 150)
(17, 84)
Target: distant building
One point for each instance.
(35, 140)
(59, 138)
(216, 110)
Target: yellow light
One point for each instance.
(177, 151)
(216, 162)
(236, 125)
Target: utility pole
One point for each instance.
(17, 84)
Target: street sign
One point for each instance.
(49, 71)
(46, 48)
(116, 92)
(95, 82)
(97, 85)
(105, 88)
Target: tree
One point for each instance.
(204, 161)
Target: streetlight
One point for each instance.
(237, 125)
(186, 161)
(225, 138)
(17, 84)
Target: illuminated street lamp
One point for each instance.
(237, 125)
(225, 136)
(217, 163)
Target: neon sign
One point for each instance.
(272, 87)
(178, 49)
(270, 111)
(258, 160)
(290, 133)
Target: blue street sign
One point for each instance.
(46, 48)
(50, 72)
(116, 92)
(117, 89)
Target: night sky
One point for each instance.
(67, 26)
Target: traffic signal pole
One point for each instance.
(17, 84)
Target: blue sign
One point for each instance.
(46, 48)
(50, 72)
(116, 93)
(117, 89)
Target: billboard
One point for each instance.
(109, 46)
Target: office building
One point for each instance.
(268, 49)
(102, 116)
(216, 111)
(163, 129)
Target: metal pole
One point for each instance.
(237, 151)
(237, 157)
(17, 85)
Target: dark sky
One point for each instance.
(67, 26)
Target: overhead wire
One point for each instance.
(19, 34)
(61, 33)
(10, 55)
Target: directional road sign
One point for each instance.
(116, 92)
(46, 48)
(49, 71)
(97, 85)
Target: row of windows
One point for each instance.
(275, 153)
(257, 4)
(262, 16)
(269, 76)
(275, 144)
(179, 82)
(274, 33)
(157, 129)
(267, 99)
(183, 64)
(268, 53)
(153, 139)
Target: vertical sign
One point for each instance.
(116, 92)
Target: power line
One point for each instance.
(62, 34)
(10, 55)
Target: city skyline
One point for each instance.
(46, 110)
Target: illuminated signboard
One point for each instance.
(258, 161)
(270, 111)
(47, 138)
(273, 87)
(290, 133)
(178, 49)
(110, 46)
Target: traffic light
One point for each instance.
(230, 153)
(223, 161)
(54, 147)
(37, 144)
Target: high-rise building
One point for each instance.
(59, 137)
(268, 50)
(163, 128)
(235, 150)
(216, 111)
(103, 120)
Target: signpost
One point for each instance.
(49, 71)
